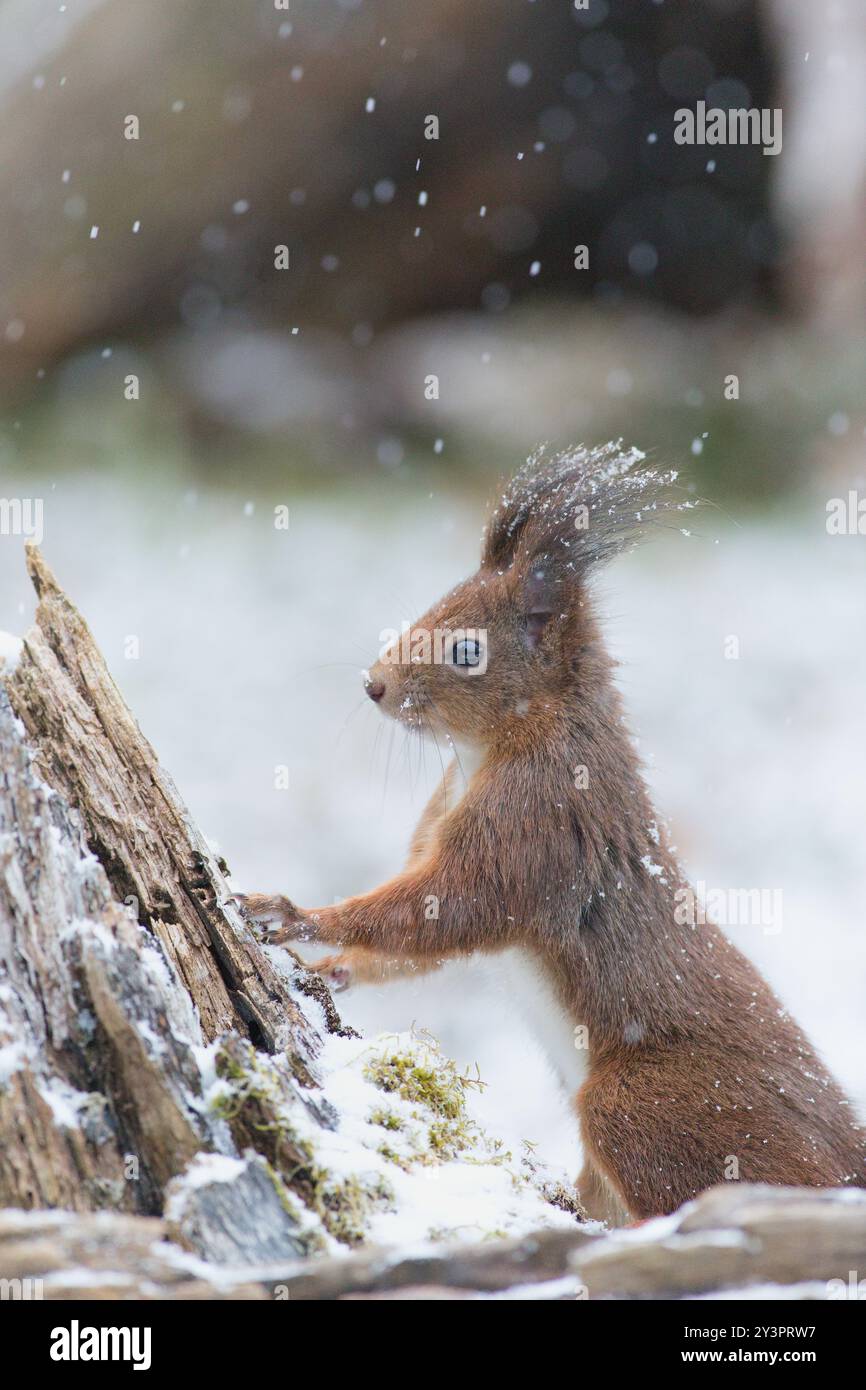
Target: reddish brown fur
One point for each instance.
(693, 1062)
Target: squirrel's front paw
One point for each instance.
(336, 971)
(275, 917)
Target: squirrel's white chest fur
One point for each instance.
(533, 995)
(521, 974)
(468, 758)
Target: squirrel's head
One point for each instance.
(519, 633)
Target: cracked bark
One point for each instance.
(121, 951)
(90, 750)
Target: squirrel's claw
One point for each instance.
(274, 917)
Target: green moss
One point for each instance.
(433, 1082)
(253, 1107)
(313, 1243)
(281, 1190)
(404, 1161)
(428, 1121)
(253, 1104)
(386, 1118)
(447, 1138)
(434, 1085)
(345, 1205)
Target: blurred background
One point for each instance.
(321, 256)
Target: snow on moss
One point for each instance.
(406, 1161)
(406, 1118)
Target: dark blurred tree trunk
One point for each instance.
(260, 128)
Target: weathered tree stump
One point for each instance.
(122, 953)
(90, 750)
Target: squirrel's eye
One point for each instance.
(467, 652)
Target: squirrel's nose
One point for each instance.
(375, 689)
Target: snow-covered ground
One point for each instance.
(250, 642)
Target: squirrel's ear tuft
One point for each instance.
(578, 507)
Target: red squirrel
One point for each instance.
(542, 837)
